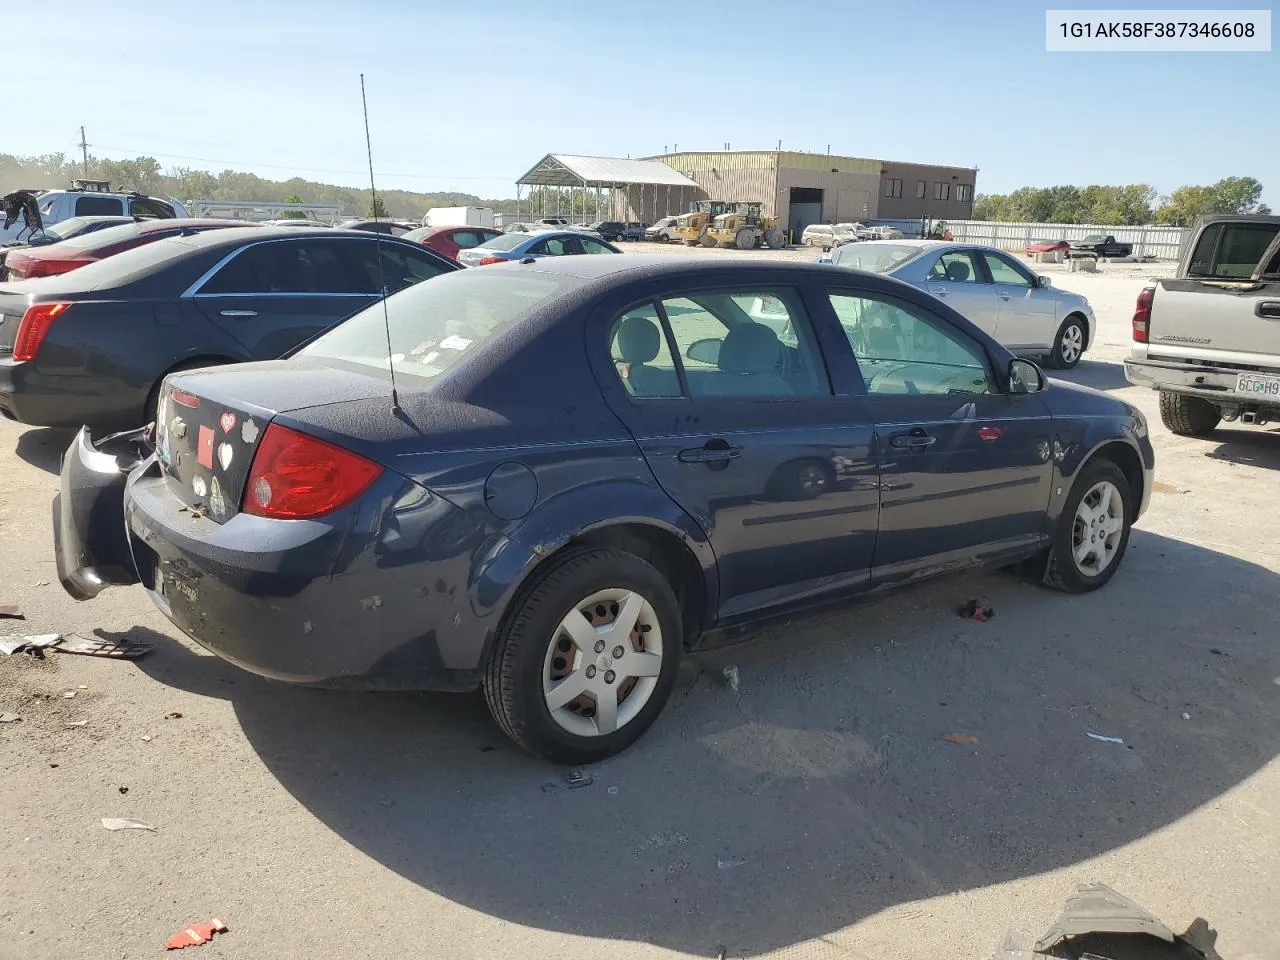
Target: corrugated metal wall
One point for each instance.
(1162, 242)
(729, 176)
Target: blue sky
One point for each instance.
(467, 96)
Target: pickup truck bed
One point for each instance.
(1209, 339)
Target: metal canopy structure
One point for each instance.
(558, 172)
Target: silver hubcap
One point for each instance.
(1072, 343)
(602, 665)
(1098, 527)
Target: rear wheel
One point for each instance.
(1069, 343)
(1093, 530)
(587, 659)
(745, 239)
(1188, 416)
(774, 239)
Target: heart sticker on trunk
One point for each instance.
(228, 421)
(225, 454)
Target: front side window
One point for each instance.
(956, 266)
(553, 247)
(746, 344)
(641, 356)
(942, 191)
(1002, 271)
(593, 246)
(99, 207)
(149, 209)
(904, 351)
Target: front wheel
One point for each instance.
(1069, 343)
(774, 239)
(587, 658)
(1093, 530)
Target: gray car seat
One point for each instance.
(639, 342)
(748, 364)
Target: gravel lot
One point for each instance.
(817, 812)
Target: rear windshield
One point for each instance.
(420, 234)
(874, 257)
(99, 239)
(1232, 250)
(434, 325)
(504, 241)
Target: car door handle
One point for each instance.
(709, 453)
(1004, 296)
(917, 438)
(939, 291)
(238, 314)
(1268, 309)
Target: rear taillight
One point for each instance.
(297, 477)
(34, 326)
(1142, 315)
(21, 267)
(486, 260)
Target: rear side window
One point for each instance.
(305, 267)
(99, 207)
(641, 356)
(150, 209)
(1232, 250)
(403, 266)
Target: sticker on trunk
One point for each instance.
(228, 421)
(249, 432)
(225, 454)
(204, 448)
(199, 487)
(216, 503)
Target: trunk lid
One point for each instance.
(210, 422)
(12, 307)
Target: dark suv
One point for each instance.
(609, 229)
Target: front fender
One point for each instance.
(1080, 440)
(500, 572)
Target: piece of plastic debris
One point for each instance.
(1098, 736)
(123, 790)
(77, 723)
(111, 649)
(146, 738)
(1096, 908)
(196, 934)
(576, 779)
(977, 609)
(41, 583)
(964, 739)
(9, 717)
(69, 694)
(613, 790)
(731, 677)
(11, 645)
(1186, 716)
(12, 611)
(730, 864)
(173, 715)
(126, 823)
(84, 686)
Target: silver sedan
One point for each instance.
(989, 287)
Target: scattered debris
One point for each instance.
(1218, 653)
(1186, 716)
(371, 603)
(731, 677)
(550, 787)
(964, 739)
(123, 790)
(488, 749)
(77, 723)
(12, 611)
(9, 717)
(69, 694)
(977, 609)
(1144, 694)
(41, 583)
(196, 934)
(1098, 736)
(173, 715)
(126, 823)
(576, 779)
(613, 791)
(111, 649)
(146, 738)
(730, 864)
(12, 645)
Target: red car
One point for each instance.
(449, 240)
(1048, 246)
(87, 248)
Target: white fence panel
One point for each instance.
(1162, 242)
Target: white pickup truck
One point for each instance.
(1209, 339)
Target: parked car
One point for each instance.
(534, 517)
(27, 264)
(609, 229)
(523, 246)
(993, 289)
(634, 230)
(1209, 339)
(1098, 245)
(663, 231)
(91, 347)
(882, 232)
(75, 227)
(448, 241)
(390, 228)
(56, 206)
(1049, 246)
(828, 235)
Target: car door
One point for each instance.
(590, 245)
(965, 467)
(1026, 314)
(741, 428)
(272, 295)
(558, 246)
(957, 277)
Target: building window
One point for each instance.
(942, 191)
(921, 188)
(964, 192)
(893, 188)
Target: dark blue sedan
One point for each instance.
(583, 468)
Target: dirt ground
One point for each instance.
(815, 813)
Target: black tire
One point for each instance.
(513, 676)
(153, 398)
(1060, 360)
(1061, 571)
(1188, 416)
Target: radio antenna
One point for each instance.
(377, 239)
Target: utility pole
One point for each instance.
(84, 154)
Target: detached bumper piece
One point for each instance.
(91, 544)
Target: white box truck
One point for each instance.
(458, 217)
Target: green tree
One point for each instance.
(378, 209)
(293, 214)
(1182, 206)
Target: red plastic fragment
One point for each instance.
(196, 934)
(977, 609)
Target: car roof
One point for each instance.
(169, 223)
(629, 266)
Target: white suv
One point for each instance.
(58, 205)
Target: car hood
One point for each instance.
(1073, 399)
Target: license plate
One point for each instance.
(1255, 385)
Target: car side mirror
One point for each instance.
(1043, 281)
(705, 351)
(1025, 376)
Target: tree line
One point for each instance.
(1132, 205)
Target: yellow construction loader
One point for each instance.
(692, 227)
(743, 227)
